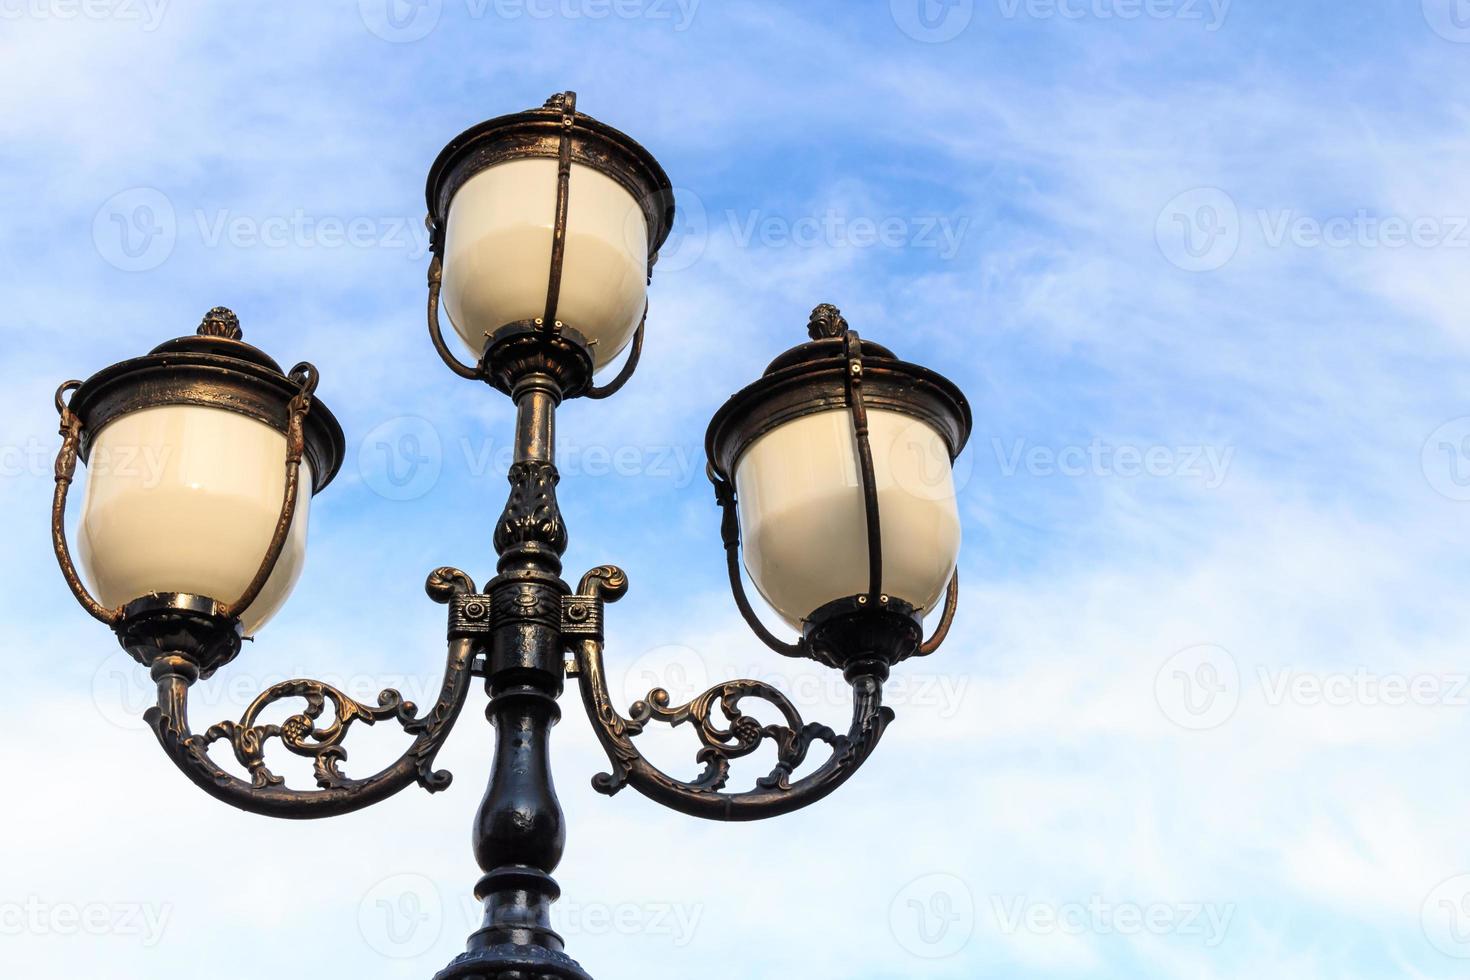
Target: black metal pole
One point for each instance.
(519, 832)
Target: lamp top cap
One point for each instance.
(538, 133)
(212, 368)
(812, 378)
(219, 334)
(828, 330)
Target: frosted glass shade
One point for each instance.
(185, 498)
(803, 521)
(497, 254)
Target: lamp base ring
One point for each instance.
(857, 630)
(510, 960)
(528, 347)
(180, 625)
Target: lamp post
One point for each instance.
(545, 227)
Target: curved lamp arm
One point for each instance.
(265, 792)
(66, 471)
(774, 794)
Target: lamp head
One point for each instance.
(186, 451)
(789, 445)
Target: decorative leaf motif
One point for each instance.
(725, 734)
(300, 734)
(743, 734)
(531, 514)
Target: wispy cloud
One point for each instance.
(1202, 712)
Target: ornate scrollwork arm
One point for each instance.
(265, 792)
(738, 735)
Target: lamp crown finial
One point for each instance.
(221, 322)
(826, 321)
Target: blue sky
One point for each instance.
(1201, 268)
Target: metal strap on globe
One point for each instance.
(305, 375)
(567, 103)
(730, 536)
(859, 412)
(66, 468)
(951, 602)
(597, 392)
(858, 408)
(436, 283)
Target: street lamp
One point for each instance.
(833, 472)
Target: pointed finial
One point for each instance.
(563, 102)
(826, 322)
(221, 322)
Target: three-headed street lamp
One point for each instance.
(832, 472)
